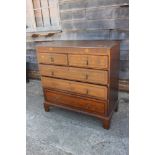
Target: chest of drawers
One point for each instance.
(80, 76)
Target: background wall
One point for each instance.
(90, 20)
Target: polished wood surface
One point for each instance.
(79, 44)
(72, 101)
(77, 87)
(81, 76)
(71, 50)
(52, 58)
(76, 74)
(88, 61)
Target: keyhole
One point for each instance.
(86, 76)
(87, 91)
(52, 59)
(87, 62)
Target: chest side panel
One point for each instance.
(113, 78)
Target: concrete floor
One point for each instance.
(63, 132)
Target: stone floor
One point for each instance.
(63, 132)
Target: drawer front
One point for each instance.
(78, 74)
(51, 58)
(94, 51)
(76, 87)
(52, 49)
(74, 101)
(88, 61)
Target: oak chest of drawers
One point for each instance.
(80, 76)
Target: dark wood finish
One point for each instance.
(116, 109)
(54, 97)
(81, 76)
(46, 107)
(86, 44)
(106, 123)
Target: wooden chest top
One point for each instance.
(79, 44)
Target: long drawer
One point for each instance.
(78, 74)
(76, 87)
(73, 101)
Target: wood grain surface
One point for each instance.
(77, 74)
(76, 87)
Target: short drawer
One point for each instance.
(52, 58)
(76, 87)
(78, 74)
(88, 61)
(73, 101)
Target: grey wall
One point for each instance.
(91, 20)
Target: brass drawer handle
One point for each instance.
(87, 91)
(52, 73)
(52, 59)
